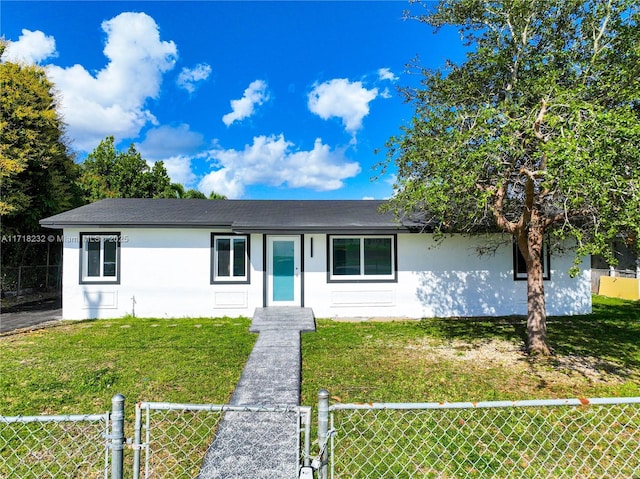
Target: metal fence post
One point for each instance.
(117, 436)
(323, 431)
(137, 442)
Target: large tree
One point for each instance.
(37, 169)
(536, 134)
(109, 173)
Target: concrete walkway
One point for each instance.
(253, 445)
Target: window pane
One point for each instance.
(239, 257)
(93, 256)
(521, 264)
(283, 270)
(346, 256)
(110, 247)
(377, 256)
(223, 246)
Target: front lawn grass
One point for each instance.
(78, 367)
(477, 359)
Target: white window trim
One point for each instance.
(84, 259)
(378, 278)
(215, 279)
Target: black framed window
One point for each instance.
(362, 258)
(520, 265)
(229, 258)
(100, 257)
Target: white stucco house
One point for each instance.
(183, 257)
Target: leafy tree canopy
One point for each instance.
(177, 191)
(537, 132)
(37, 171)
(216, 196)
(109, 173)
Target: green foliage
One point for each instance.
(538, 131)
(217, 196)
(191, 193)
(109, 173)
(176, 190)
(541, 124)
(37, 172)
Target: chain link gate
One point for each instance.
(206, 441)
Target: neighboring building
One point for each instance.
(178, 258)
(628, 268)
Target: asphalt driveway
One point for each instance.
(31, 315)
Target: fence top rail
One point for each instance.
(58, 418)
(489, 404)
(163, 406)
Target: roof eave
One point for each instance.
(340, 229)
(71, 224)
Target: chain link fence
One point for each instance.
(74, 446)
(573, 438)
(19, 280)
(170, 441)
(212, 441)
(585, 438)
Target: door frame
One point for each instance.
(298, 279)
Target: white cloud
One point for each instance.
(168, 141)
(272, 161)
(386, 74)
(112, 102)
(176, 147)
(189, 77)
(342, 99)
(179, 170)
(391, 179)
(31, 47)
(255, 94)
(222, 182)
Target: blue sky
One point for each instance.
(255, 100)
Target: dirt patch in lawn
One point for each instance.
(509, 355)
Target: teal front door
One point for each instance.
(283, 271)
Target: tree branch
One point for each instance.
(538, 122)
(498, 211)
(603, 28)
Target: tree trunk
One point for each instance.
(536, 306)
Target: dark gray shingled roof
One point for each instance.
(240, 215)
